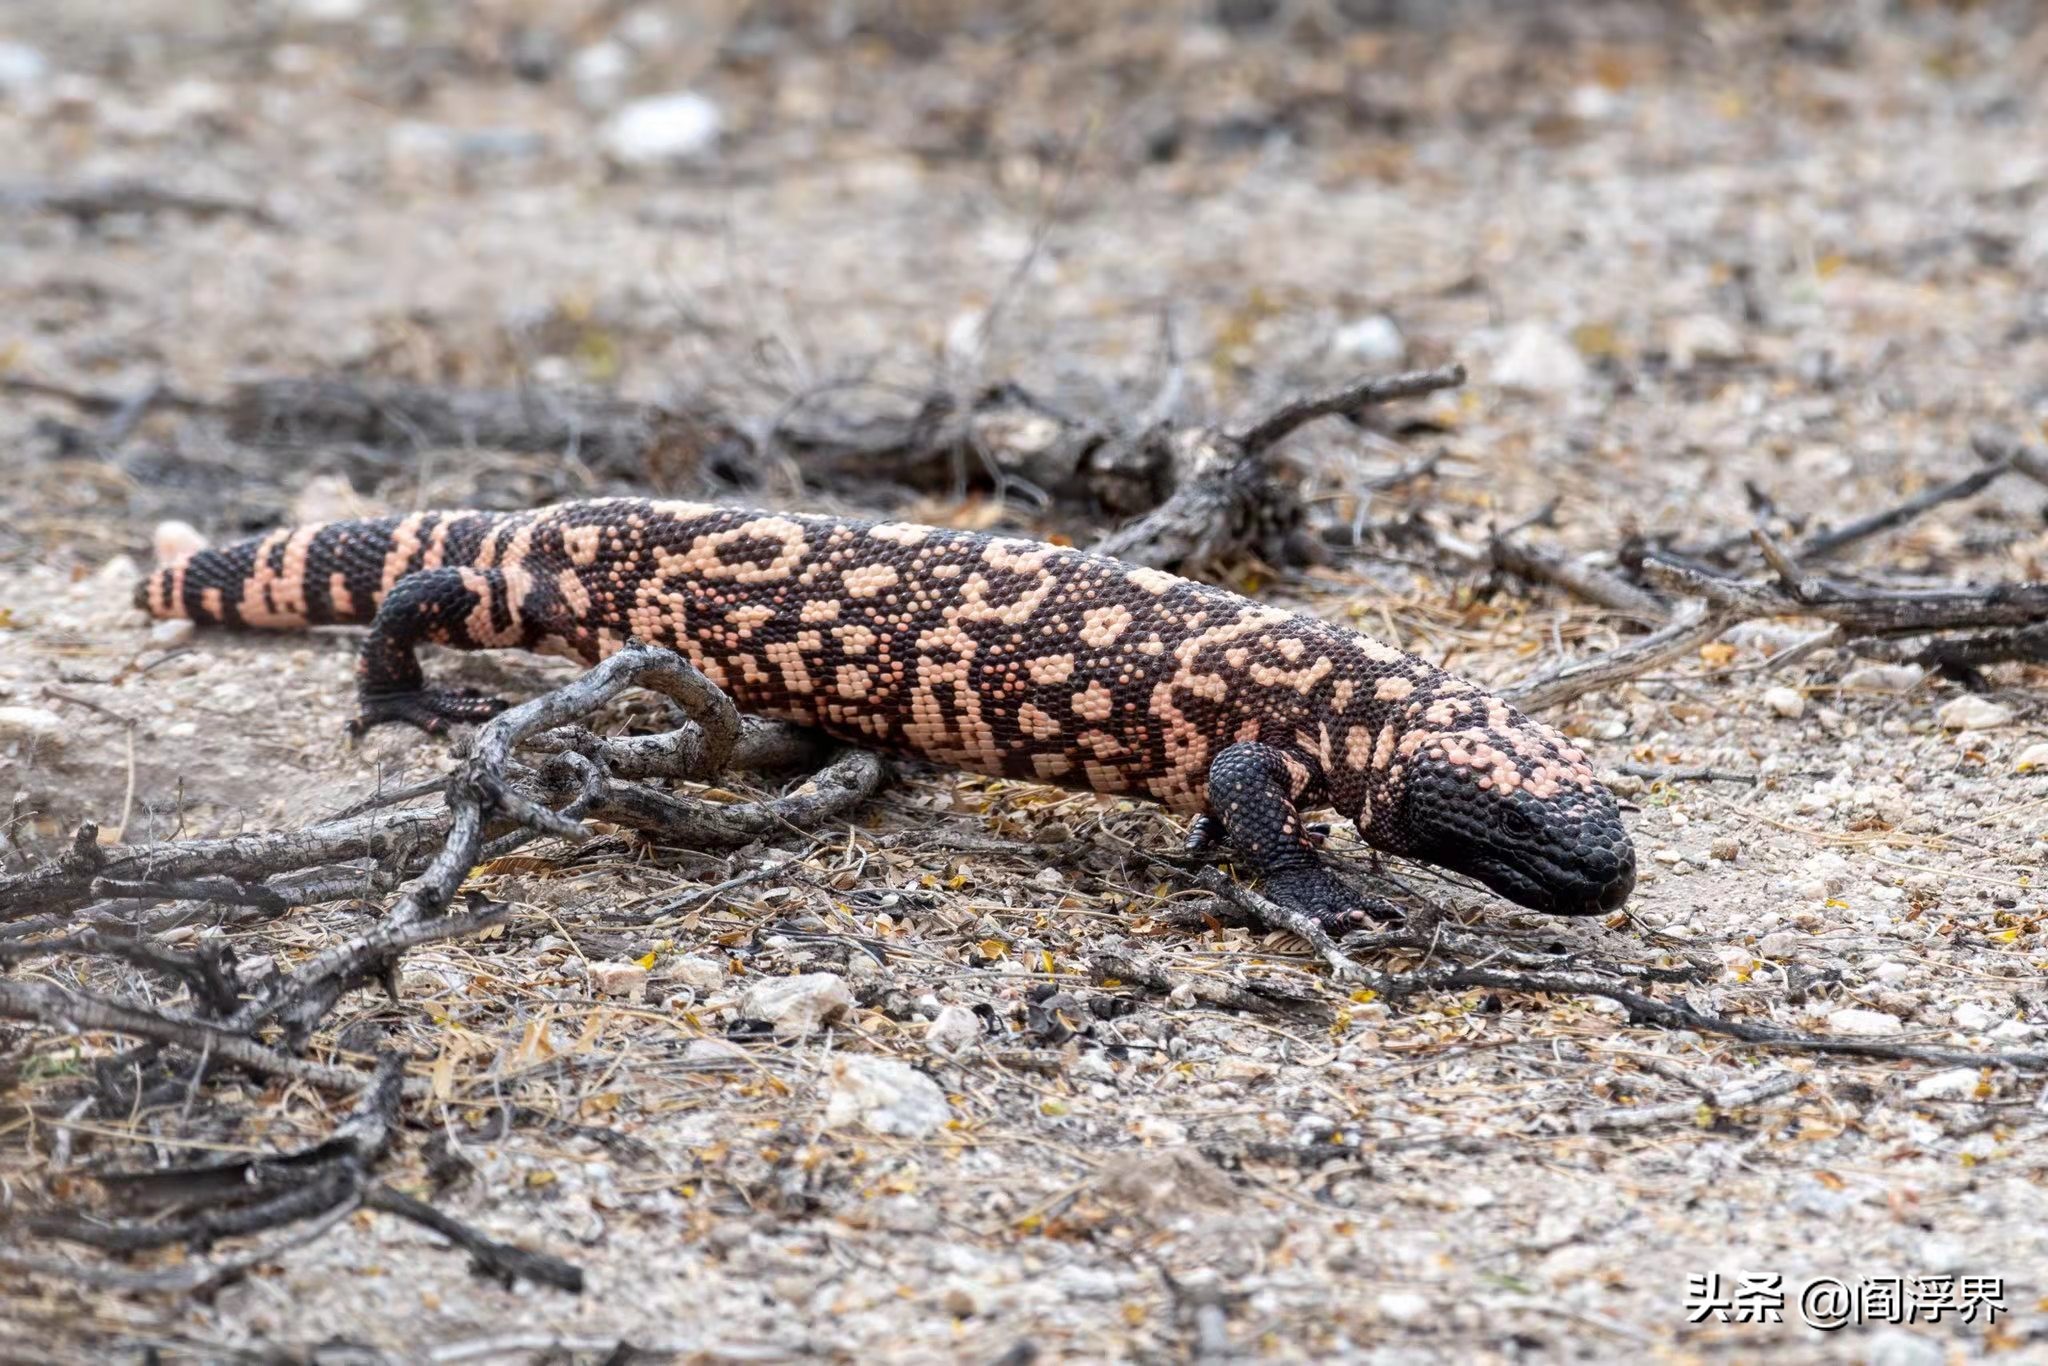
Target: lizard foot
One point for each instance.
(1317, 893)
(431, 709)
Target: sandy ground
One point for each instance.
(1683, 251)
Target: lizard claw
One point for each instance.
(431, 709)
(1321, 896)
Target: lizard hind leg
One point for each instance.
(467, 609)
(1253, 789)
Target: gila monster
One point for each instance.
(1005, 656)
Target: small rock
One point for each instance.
(2032, 757)
(171, 632)
(31, 724)
(952, 1031)
(1049, 878)
(698, 974)
(1959, 1083)
(884, 1096)
(960, 1301)
(599, 73)
(1892, 972)
(1372, 341)
(1897, 1347)
(1884, 677)
(328, 11)
(1403, 1306)
(798, 1006)
(1539, 359)
(1727, 849)
(662, 130)
(2013, 1031)
(1943, 1256)
(117, 575)
(1622, 784)
(176, 542)
(627, 980)
(1158, 1129)
(1777, 944)
(1970, 712)
(21, 68)
(1863, 1022)
(1701, 337)
(1973, 1017)
(713, 1050)
(1787, 702)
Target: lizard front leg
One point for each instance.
(1253, 789)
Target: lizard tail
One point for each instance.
(323, 574)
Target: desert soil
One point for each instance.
(1685, 252)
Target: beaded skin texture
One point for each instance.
(999, 655)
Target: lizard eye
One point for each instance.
(1514, 820)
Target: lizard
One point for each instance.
(987, 652)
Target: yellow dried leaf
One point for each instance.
(1717, 654)
(646, 960)
(1596, 341)
(441, 1080)
(512, 863)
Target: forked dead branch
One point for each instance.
(494, 801)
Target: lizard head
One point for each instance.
(1474, 786)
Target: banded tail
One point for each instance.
(319, 574)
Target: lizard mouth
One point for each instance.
(1555, 895)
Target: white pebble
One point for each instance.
(798, 1006)
(598, 74)
(1973, 1017)
(663, 129)
(698, 974)
(952, 1031)
(1373, 340)
(1538, 359)
(1787, 702)
(1957, 1083)
(626, 980)
(171, 632)
(1863, 1022)
(1158, 1129)
(2032, 757)
(21, 68)
(1403, 1306)
(884, 1096)
(32, 724)
(1884, 677)
(1700, 337)
(1970, 712)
